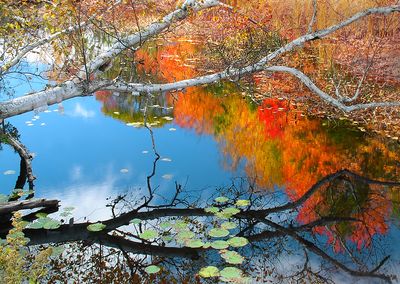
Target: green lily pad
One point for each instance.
(211, 209)
(232, 257)
(228, 225)
(167, 238)
(209, 271)
(230, 211)
(194, 243)
(242, 203)
(165, 225)
(152, 269)
(218, 233)
(51, 224)
(207, 245)
(238, 242)
(222, 199)
(97, 227)
(231, 272)
(180, 225)
(149, 234)
(41, 215)
(135, 221)
(219, 245)
(185, 235)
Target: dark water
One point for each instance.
(213, 142)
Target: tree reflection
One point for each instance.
(344, 207)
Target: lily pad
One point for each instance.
(211, 209)
(165, 225)
(149, 234)
(242, 202)
(194, 243)
(222, 199)
(97, 227)
(41, 215)
(228, 225)
(218, 233)
(52, 224)
(231, 272)
(152, 269)
(238, 242)
(209, 271)
(232, 257)
(230, 211)
(207, 245)
(219, 245)
(185, 235)
(181, 225)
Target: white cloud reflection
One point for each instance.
(80, 111)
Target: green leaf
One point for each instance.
(152, 269)
(185, 235)
(242, 203)
(209, 271)
(149, 234)
(228, 225)
(218, 233)
(222, 199)
(97, 227)
(207, 245)
(231, 272)
(230, 211)
(165, 225)
(41, 215)
(194, 243)
(135, 221)
(232, 257)
(36, 225)
(211, 209)
(219, 245)
(180, 225)
(238, 242)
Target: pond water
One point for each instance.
(89, 150)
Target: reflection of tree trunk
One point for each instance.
(27, 204)
(25, 166)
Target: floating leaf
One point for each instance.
(167, 238)
(232, 257)
(165, 225)
(222, 199)
(207, 245)
(149, 234)
(180, 225)
(231, 272)
(41, 215)
(152, 269)
(194, 243)
(97, 227)
(228, 225)
(242, 202)
(135, 221)
(219, 245)
(185, 235)
(230, 211)
(238, 242)
(211, 210)
(209, 271)
(36, 225)
(218, 233)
